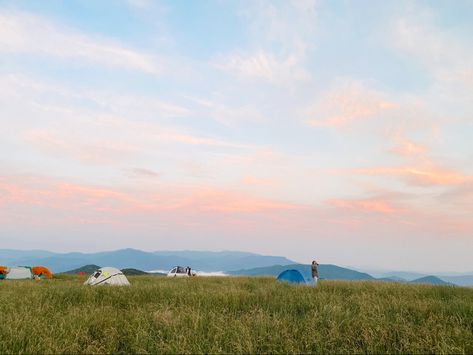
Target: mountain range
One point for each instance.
(230, 262)
(138, 259)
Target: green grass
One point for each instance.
(233, 315)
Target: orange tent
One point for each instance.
(42, 271)
(3, 271)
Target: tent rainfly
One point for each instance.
(291, 276)
(107, 276)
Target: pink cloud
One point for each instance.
(95, 203)
(252, 180)
(365, 205)
(193, 140)
(234, 202)
(102, 152)
(346, 103)
(40, 203)
(142, 172)
(426, 175)
(409, 148)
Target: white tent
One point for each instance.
(107, 276)
(18, 273)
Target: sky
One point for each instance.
(336, 130)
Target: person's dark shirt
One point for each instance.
(315, 271)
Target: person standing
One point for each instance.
(315, 272)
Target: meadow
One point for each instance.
(233, 315)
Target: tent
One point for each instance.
(107, 276)
(291, 276)
(18, 273)
(3, 272)
(42, 272)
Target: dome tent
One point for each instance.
(291, 276)
(18, 273)
(107, 276)
(42, 272)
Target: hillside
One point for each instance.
(391, 279)
(461, 280)
(87, 269)
(326, 271)
(134, 272)
(233, 315)
(401, 275)
(430, 280)
(132, 258)
(15, 257)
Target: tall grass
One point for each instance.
(233, 315)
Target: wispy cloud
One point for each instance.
(115, 204)
(263, 65)
(141, 4)
(252, 180)
(98, 152)
(143, 173)
(225, 113)
(102, 127)
(408, 148)
(196, 140)
(440, 50)
(273, 25)
(346, 102)
(281, 45)
(365, 205)
(32, 34)
(423, 175)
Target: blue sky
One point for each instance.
(336, 130)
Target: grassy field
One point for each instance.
(233, 315)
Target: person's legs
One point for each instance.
(315, 280)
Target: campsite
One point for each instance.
(232, 315)
(236, 177)
(265, 309)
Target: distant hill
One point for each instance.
(392, 279)
(134, 272)
(142, 260)
(429, 280)
(223, 260)
(401, 275)
(462, 280)
(87, 269)
(326, 271)
(16, 257)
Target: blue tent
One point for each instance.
(292, 276)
